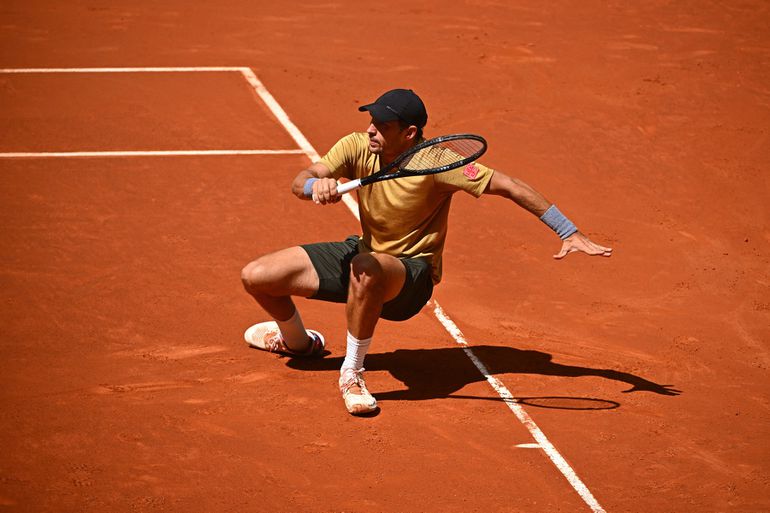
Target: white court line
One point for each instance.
(290, 127)
(455, 332)
(246, 72)
(172, 153)
(522, 415)
(191, 69)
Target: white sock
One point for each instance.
(355, 354)
(293, 332)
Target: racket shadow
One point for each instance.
(442, 372)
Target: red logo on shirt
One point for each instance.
(471, 171)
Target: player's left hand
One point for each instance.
(579, 242)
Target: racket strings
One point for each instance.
(443, 154)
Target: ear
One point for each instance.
(411, 132)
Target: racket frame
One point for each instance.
(385, 174)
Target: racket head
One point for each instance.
(442, 154)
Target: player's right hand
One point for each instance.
(325, 191)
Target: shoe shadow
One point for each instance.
(440, 373)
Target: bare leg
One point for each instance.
(374, 280)
(272, 280)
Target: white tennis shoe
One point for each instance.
(267, 337)
(358, 400)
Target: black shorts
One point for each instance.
(332, 263)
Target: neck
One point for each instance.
(388, 157)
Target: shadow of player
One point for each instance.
(438, 373)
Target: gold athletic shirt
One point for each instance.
(407, 217)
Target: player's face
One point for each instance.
(387, 138)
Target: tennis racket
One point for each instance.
(426, 158)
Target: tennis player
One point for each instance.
(390, 269)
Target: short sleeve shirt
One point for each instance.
(407, 217)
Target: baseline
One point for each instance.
(170, 153)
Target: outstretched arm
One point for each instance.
(532, 201)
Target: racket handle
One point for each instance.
(342, 188)
(349, 186)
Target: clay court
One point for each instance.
(146, 154)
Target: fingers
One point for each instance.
(604, 251)
(601, 250)
(325, 191)
(582, 243)
(565, 250)
(595, 249)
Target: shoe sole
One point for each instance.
(362, 409)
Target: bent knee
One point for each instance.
(367, 276)
(366, 266)
(372, 273)
(285, 273)
(253, 275)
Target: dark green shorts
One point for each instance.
(332, 263)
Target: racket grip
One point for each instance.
(349, 186)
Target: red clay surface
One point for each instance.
(126, 111)
(126, 385)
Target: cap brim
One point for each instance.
(379, 112)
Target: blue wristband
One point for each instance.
(308, 188)
(558, 222)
